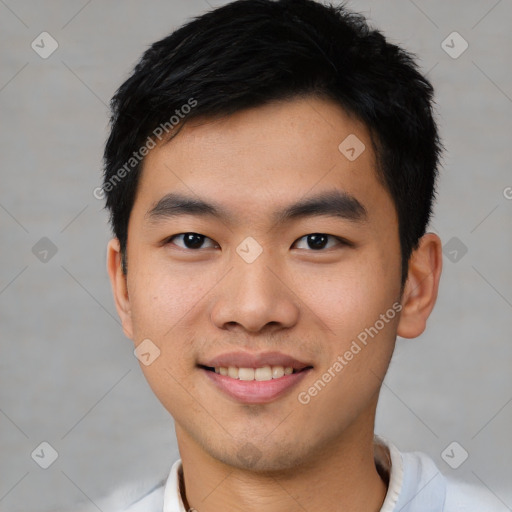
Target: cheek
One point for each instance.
(357, 306)
(162, 298)
(348, 297)
(162, 302)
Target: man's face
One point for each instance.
(256, 291)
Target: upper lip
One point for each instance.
(253, 360)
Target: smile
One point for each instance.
(255, 385)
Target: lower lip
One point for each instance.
(254, 391)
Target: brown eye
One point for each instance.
(319, 241)
(190, 240)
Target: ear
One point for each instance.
(421, 287)
(119, 286)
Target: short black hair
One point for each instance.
(249, 53)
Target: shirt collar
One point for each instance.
(172, 493)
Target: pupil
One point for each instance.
(317, 241)
(193, 240)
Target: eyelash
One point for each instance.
(341, 241)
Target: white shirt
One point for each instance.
(415, 485)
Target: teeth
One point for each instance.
(246, 373)
(259, 374)
(264, 373)
(277, 371)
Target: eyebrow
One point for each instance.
(335, 203)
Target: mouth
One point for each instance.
(254, 378)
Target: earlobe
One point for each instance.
(421, 287)
(119, 286)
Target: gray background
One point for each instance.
(68, 375)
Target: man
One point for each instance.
(270, 175)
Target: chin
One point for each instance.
(253, 457)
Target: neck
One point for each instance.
(340, 476)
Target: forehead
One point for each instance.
(260, 160)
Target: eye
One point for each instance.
(191, 240)
(318, 241)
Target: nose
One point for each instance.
(254, 296)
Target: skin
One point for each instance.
(197, 303)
